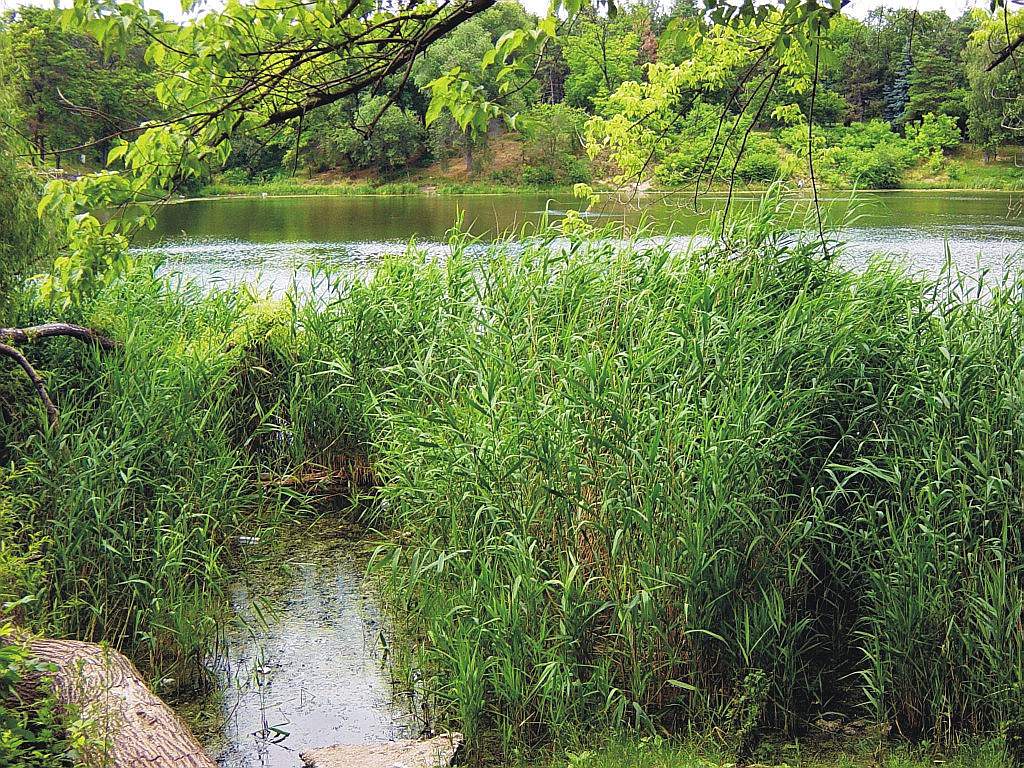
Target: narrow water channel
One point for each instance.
(302, 665)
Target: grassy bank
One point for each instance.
(967, 171)
(728, 491)
(981, 178)
(863, 156)
(846, 752)
(286, 187)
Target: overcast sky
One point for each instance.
(172, 8)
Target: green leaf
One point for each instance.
(437, 104)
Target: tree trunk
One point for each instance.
(129, 725)
(469, 156)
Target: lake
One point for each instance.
(269, 239)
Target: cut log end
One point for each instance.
(438, 752)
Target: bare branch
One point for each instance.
(49, 330)
(37, 381)
(1005, 53)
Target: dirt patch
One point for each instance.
(503, 152)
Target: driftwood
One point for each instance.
(10, 336)
(438, 752)
(126, 724)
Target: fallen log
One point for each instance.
(438, 752)
(126, 724)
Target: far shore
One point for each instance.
(300, 190)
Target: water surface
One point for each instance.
(238, 239)
(301, 666)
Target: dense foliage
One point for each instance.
(71, 95)
(73, 98)
(627, 486)
(25, 239)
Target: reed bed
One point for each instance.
(733, 488)
(618, 486)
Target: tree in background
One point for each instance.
(396, 139)
(935, 87)
(25, 238)
(465, 49)
(938, 80)
(601, 53)
(551, 73)
(859, 71)
(897, 92)
(996, 100)
(553, 144)
(72, 95)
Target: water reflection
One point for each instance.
(302, 667)
(275, 241)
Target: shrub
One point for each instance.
(934, 134)
(577, 170)
(881, 167)
(759, 165)
(552, 143)
(867, 135)
(681, 166)
(237, 175)
(509, 176)
(542, 176)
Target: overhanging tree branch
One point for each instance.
(1005, 53)
(400, 59)
(49, 330)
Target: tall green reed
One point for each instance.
(622, 480)
(133, 503)
(616, 481)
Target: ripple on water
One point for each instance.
(278, 267)
(310, 673)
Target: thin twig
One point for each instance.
(810, 149)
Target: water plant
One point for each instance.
(621, 485)
(622, 480)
